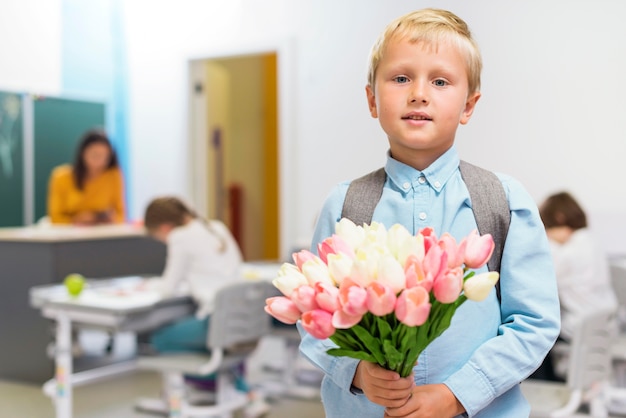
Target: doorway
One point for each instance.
(234, 134)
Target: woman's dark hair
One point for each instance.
(93, 136)
(561, 209)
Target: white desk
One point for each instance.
(109, 304)
(34, 256)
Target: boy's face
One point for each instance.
(420, 97)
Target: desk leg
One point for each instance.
(63, 373)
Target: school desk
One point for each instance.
(34, 256)
(116, 305)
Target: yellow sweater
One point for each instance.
(101, 194)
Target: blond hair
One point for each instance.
(431, 26)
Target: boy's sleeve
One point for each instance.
(339, 369)
(529, 311)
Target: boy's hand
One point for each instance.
(428, 401)
(382, 386)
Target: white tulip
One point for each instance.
(375, 233)
(413, 245)
(391, 273)
(396, 236)
(478, 287)
(350, 233)
(289, 278)
(316, 271)
(339, 266)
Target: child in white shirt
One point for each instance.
(202, 257)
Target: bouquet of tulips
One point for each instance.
(382, 295)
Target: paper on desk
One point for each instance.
(260, 271)
(110, 298)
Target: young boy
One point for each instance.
(424, 81)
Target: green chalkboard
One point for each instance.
(58, 126)
(11, 160)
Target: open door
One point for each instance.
(234, 134)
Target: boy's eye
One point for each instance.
(440, 83)
(401, 79)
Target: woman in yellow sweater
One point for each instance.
(91, 191)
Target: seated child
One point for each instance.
(202, 256)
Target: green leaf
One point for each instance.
(359, 355)
(408, 339)
(393, 356)
(384, 329)
(370, 342)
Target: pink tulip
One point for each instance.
(413, 306)
(435, 262)
(282, 309)
(342, 320)
(327, 297)
(352, 298)
(318, 323)
(415, 274)
(478, 250)
(304, 298)
(333, 245)
(430, 239)
(381, 299)
(302, 257)
(456, 253)
(449, 285)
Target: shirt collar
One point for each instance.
(436, 175)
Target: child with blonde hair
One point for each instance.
(423, 82)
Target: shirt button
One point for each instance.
(437, 184)
(422, 180)
(422, 216)
(406, 185)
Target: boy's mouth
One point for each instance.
(417, 116)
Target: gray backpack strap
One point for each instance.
(489, 204)
(490, 207)
(363, 196)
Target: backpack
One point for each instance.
(489, 204)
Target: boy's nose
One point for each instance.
(418, 94)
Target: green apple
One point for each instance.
(74, 283)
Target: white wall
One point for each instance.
(30, 31)
(550, 114)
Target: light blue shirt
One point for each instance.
(489, 347)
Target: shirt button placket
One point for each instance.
(421, 202)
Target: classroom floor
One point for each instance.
(116, 397)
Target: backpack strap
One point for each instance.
(490, 207)
(363, 196)
(488, 199)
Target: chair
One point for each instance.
(236, 326)
(588, 375)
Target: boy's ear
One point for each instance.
(371, 101)
(470, 105)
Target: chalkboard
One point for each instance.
(11, 160)
(58, 126)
